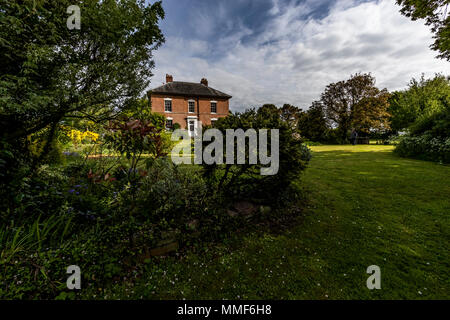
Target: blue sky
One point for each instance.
(282, 51)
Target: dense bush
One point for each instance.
(53, 155)
(169, 192)
(429, 136)
(245, 181)
(425, 147)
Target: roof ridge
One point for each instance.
(187, 82)
(189, 88)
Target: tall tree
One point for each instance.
(313, 124)
(371, 113)
(49, 72)
(436, 15)
(356, 102)
(422, 98)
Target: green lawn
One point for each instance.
(365, 206)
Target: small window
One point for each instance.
(213, 121)
(213, 107)
(169, 123)
(168, 105)
(191, 106)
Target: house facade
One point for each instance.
(188, 103)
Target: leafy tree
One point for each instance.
(421, 99)
(140, 110)
(50, 73)
(290, 114)
(436, 15)
(269, 107)
(313, 124)
(356, 102)
(402, 113)
(371, 113)
(436, 124)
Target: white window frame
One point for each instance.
(189, 101)
(171, 119)
(171, 106)
(210, 106)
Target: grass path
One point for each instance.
(367, 207)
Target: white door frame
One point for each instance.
(191, 119)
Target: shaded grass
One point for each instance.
(365, 206)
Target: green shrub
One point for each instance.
(38, 145)
(305, 152)
(170, 192)
(425, 147)
(39, 194)
(245, 181)
(429, 137)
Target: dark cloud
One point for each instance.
(281, 51)
(212, 20)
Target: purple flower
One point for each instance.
(71, 191)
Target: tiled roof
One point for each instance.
(189, 89)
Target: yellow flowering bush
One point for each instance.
(79, 137)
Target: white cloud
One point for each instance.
(295, 58)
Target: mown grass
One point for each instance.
(366, 206)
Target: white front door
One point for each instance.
(192, 127)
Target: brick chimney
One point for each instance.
(204, 82)
(169, 78)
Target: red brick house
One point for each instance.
(187, 103)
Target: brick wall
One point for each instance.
(180, 113)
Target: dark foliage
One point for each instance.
(312, 123)
(243, 181)
(435, 14)
(429, 137)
